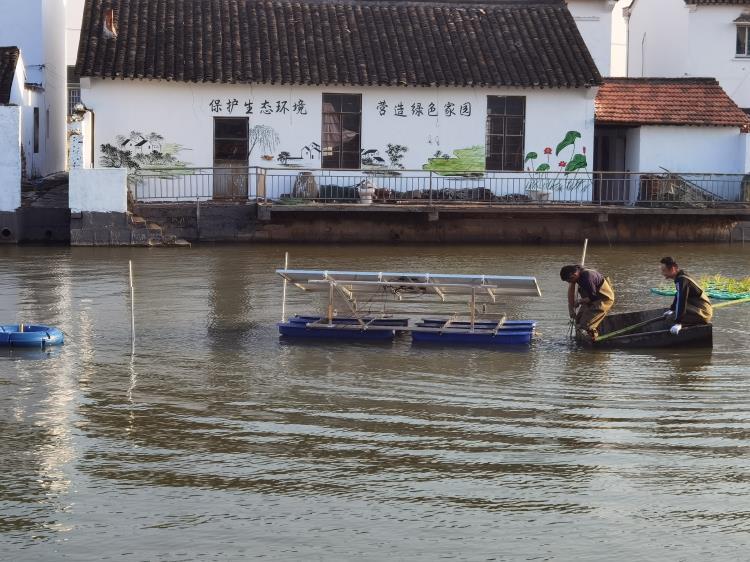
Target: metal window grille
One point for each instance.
(74, 98)
(505, 132)
(341, 131)
(743, 40)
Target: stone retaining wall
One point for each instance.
(219, 222)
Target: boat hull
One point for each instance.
(653, 335)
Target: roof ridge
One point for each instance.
(664, 79)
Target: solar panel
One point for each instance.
(441, 284)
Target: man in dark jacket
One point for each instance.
(596, 297)
(691, 305)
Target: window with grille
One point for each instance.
(342, 131)
(506, 124)
(743, 40)
(74, 90)
(74, 98)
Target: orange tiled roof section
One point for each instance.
(667, 101)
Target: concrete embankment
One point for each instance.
(242, 222)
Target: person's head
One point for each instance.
(570, 273)
(669, 268)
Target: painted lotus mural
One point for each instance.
(546, 176)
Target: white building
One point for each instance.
(594, 20)
(663, 126)
(338, 85)
(673, 38)
(34, 26)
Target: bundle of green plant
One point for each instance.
(717, 286)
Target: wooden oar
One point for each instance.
(730, 303)
(627, 329)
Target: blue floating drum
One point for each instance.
(27, 335)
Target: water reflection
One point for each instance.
(219, 429)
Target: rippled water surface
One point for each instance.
(219, 442)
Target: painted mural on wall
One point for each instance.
(265, 139)
(310, 151)
(138, 150)
(461, 161)
(566, 175)
(379, 159)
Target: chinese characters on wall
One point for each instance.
(419, 109)
(234, 106)
(231, 106)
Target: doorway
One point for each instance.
(230, 158)
(611, 183)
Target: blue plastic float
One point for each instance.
(363, 292)
(26, 335)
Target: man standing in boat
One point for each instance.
(596, 297)
(691, 305)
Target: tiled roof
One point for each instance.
(8, 61)
(529, 43)
(667, 101)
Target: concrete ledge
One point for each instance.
(206, 221)
(9, 229)
(520, 209)
(103, 229)
(533, 224)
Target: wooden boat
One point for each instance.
(653, 335)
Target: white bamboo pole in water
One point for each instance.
(132, 309)
(283, 298)
(571, 329)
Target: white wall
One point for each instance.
(22, 27)
(594, 20)
(718, 150)
(181, 113)
(670, 39)
(619, 59)
(10, 158)
(54, 114)
(73, 17)
(98, 190)
(35, 26)
(712, 46)
(658, 38)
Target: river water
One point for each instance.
(219, 442)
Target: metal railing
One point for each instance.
(290, 186)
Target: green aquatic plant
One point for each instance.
(717, 286)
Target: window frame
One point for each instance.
(743, 26)
(341, 114)
(504, 155)
(36, 130)
(235, 139)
